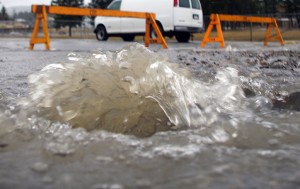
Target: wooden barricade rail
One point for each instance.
(215, 21)
(42, 11)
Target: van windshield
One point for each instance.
(196, 4)
(184, 3)
(114, 5)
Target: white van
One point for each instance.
(173, 17)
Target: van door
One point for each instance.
(188, 15)
(197, 14)
(113, 24)
(132, 25)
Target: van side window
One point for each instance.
(184, 3)
(196, 4)
(115, 6)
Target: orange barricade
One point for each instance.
(215, 20)
(42, 11)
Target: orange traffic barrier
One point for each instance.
(42, 11)
(215, 21)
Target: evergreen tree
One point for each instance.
(229, 6)
(251, 7)
(240, 7)
(269, 6)
(101, 4)
(293, 7)
(65, 20)
(3, 14)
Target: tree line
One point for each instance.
(251, 7)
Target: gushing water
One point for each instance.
(132, 91)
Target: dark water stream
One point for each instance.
(133, 119)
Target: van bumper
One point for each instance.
(188, 29)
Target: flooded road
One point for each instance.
(106, 117)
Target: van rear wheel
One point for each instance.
(101, 33)
(182, 37)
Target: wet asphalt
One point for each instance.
(110, 164)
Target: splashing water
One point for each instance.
(133, 91)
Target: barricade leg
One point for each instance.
(41, 16)
(35, 30)
(207, 33)
(214, 21)
(220, 33)
(268, 34)
(147, 32)
(150, 21)
(278, 34)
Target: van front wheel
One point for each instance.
(153, 34)
(182, 37)
(101, 33)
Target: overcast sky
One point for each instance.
(10, 3)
